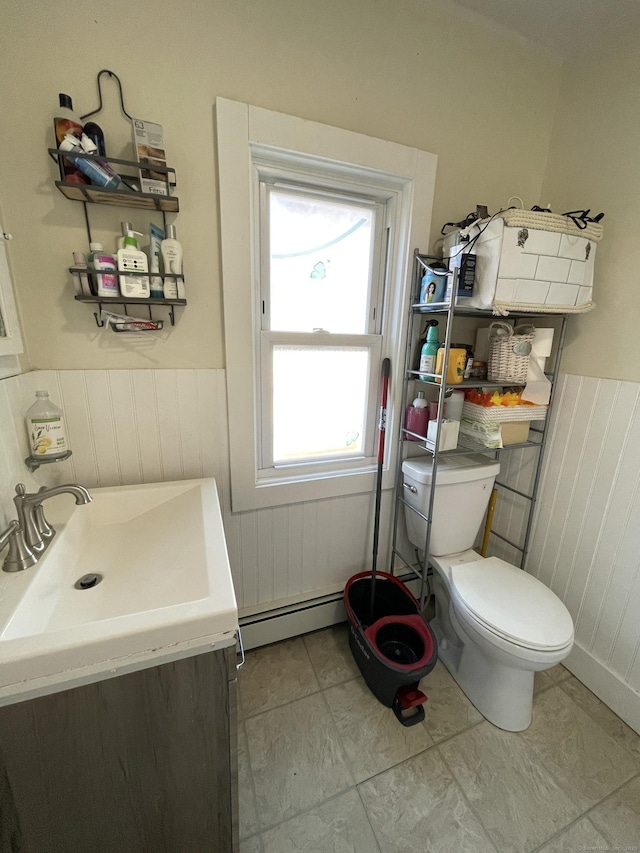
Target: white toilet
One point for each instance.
(495, 624)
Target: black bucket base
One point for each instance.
(392, 645)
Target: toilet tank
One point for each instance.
(463, 488)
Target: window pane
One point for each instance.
(320, 263)
(319, 398)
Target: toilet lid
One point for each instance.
(512, 604)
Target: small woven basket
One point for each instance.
(502, 414)
(509, 357)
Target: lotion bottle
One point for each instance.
(106, 283)
(131, 259)
(171, 252)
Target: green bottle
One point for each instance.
(429, 353)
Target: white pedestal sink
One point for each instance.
(165, 591)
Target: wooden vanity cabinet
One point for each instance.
(144, 762)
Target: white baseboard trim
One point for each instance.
(607, 685)
(282, 623)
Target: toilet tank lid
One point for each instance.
(461, 468)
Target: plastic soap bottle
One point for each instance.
(171, 252)
(132, 260)
(45, 428)
(65, 121)
(106, 283)
(416, 418)
(429, 353)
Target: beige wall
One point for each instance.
(594, 162)
(415, 71)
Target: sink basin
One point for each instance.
(164, 590)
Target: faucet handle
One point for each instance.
(20, 555)
(21, 489)
(13, 527)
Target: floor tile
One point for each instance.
(541, 681)
(558, 673)
(372, 736)
(581, 836)
(251, 845)
(583, 758)
(296, 759)
(339, 825)
(605, 717)
(618, 817)
(331, 656)
(418, 806)
(274, 675)
(448, 710)
(515, 797)
(247, 812)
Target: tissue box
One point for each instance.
(448, 439)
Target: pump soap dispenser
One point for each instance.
(132, 260)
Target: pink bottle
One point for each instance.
(416, 418)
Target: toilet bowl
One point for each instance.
(495, 624)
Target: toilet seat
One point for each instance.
(510, 604)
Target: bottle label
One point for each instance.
(47, 436)
(108, 282)
(427, 364)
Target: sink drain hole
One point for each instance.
(88, 581)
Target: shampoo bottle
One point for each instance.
(125, 227)
(45, 428)
(132, 260)
(65, 121)
(429, 353)
(171, 252)
(156, 236)
(106, 283)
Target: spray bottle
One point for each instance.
(429, 353)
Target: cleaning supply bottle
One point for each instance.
(45, 428)
(132, 260)
(105, 283)
(171, 252)
(417, 418)
(429, 353)
(65, 121)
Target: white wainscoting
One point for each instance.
(138, 426)
(148, 425)
(586, 536)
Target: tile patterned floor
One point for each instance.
(325, 768)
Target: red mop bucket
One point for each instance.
(389, 638)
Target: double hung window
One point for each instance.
(318, 227)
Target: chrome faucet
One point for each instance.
(35, 528)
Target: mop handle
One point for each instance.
(386, 367)
(382, 423)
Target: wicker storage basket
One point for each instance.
(503, 414)
(508, 356)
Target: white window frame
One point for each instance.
(251, 138)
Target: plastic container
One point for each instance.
(45, 428)
(65, 121)
(429, 353)
(453, 406)
(171, 252)
(132, 260)
(416, 418)
(456, 365)
(105, 283)
(433, 285)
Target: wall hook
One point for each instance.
(117, 79)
